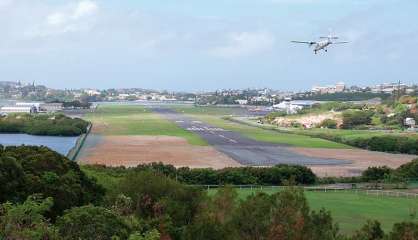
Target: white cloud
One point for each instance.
(70, 18)
(245, 44)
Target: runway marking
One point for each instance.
(205, 129)
(229, 139)
(196, 122)
(180, 121)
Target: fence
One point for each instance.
(377, 193)
(73, 153)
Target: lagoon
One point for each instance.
(59, 144)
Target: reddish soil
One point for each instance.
(130, 151)
(361, 160)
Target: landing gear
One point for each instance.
(315, 52)
(326, 50)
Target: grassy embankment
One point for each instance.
(213, 115)
(137, 120)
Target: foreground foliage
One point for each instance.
(147, 203)
(37, 170)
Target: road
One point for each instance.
(244, 150)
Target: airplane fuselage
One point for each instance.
(322, 45)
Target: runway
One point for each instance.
(244, 150)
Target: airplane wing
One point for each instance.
(339, 42)
(310, 43)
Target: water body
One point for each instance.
(59, 144)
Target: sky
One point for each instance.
(189, 45)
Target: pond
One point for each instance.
(59, 144)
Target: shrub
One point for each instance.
(90, 222)
(328, 123)
(353, 118)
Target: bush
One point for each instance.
(408, 170)
(90, 222)
(353, 118)
(328, 123)
(376, 173)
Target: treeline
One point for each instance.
(345, 96)
(382, 174)
(46, 196)
(277, 175)
(384, 143)
(46, 125)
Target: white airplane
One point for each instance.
(321, 44)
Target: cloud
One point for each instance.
(70, 18)
(243, 44)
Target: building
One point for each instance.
(18, 109)
(51, 107)
(388, 87)
(339, 87)
(293, 107)
(29, 104)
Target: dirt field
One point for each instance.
(130, 151)
(362, 159)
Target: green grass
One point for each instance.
(137, 120)
(214, 115)
(351, 210)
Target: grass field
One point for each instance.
(213, 115)
(137, 120)
(351, 210)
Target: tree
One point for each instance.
(375, 173)
(161, 200)
(352, 118)
(90, 222)
(26, 221)
(404, 231)
(11, 179)
(370, 231)
(38, 170)
(290, 216)
(253, 218)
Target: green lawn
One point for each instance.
(352, 210)
(137, 120)
(213, 115)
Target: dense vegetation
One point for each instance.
(37, 170)
(276, 175)
(48, 125)
(46, 196)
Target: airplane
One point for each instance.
(322, 44)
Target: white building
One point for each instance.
(29, 104)
(51, 107)
(292, 107)
(18, 109)
(242, 101)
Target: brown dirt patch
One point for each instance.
(361, 160)
(129, 151)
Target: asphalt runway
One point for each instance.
(240, 148)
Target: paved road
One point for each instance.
(244, 150)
